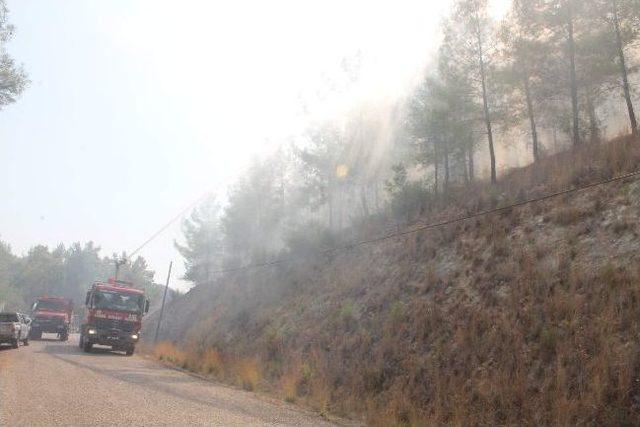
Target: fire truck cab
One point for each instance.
(113, 316)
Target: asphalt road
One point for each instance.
(53, 383)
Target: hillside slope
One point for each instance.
(524, 316)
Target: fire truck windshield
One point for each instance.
(50, 305)
(109, 300)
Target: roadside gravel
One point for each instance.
(53, 383)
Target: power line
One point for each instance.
(432, 226)
(178, 216)
(168, 224)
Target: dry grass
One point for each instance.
(211, 363)
(289, 386)
(244, 372)
(568, 215)
(509, 320)
(248, 373)
(552, 353)
(167, 352)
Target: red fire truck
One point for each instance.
(113, 316)
(51, 315)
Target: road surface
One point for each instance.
(54, 383)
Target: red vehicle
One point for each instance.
(51, 315)
(113, 316)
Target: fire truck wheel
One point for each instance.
(64, 336)
(129, 351)
(15, 344)
(87, 346)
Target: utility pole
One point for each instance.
(164, 298)
(119, 262)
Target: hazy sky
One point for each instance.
(137, 107)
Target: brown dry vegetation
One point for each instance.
(524, 317)
(245, 373)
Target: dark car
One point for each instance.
(14, 328)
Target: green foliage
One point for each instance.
(252, 219)
(309, 238)
(320, 159)
(66, 272)
(347, 312)
(203, 248)
(13, 78)
(406, 197)
(9, 295)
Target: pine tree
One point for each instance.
(468, 37)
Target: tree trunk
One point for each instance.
(376, 196)
(465, 173)
(485, 102)
(339, 208)
(436, 169)
(623, 69)
(472, 166)
(594, 128)
(330, 206)
(446, 168)
(573, 79)
(363, 201)
(532, 119)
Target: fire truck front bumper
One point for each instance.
(113, 338)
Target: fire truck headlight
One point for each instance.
(134, 336)
(92, 331)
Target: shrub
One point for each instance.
(568, 215)
(167, 352)
(211, 363)
(248, 373)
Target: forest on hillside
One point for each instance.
(319, 280)
(550, 76)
